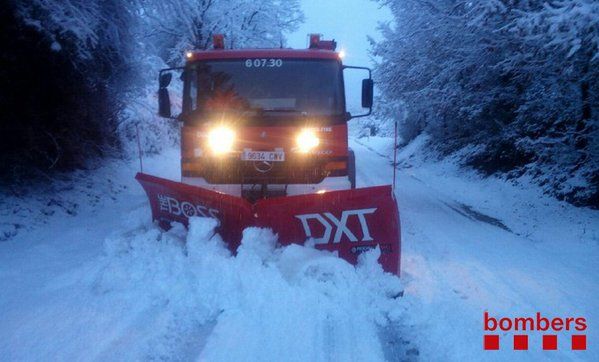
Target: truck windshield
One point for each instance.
(266, 85)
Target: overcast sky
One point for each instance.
(349, 22)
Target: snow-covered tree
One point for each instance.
(516, 78)
(175, 26)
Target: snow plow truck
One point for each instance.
(264, 142)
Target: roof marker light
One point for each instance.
(314, 40)
(218, 41)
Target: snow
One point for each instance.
(472, 245)
(105, 283)
(98, 285)
(85, 274)
(55, 46)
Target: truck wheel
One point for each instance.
(351, 168)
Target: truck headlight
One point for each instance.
(221, 139)
(307, 141)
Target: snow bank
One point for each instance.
(473, 244)
(265, 303)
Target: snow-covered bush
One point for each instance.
(518, 79)
(60, 99)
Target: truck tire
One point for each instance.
(351, 168)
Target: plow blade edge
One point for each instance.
(348, 222)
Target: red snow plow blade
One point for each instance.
(348, 222)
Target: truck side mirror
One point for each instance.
(165, 79)
(367, 93)
(164, 101)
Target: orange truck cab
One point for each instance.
(259, 123)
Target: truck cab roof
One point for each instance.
(282, 53)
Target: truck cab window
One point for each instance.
(311, 87)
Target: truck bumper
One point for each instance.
(328, 184)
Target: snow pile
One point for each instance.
(265, 303)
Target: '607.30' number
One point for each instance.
(263, 63)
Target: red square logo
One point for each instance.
(550, 342)
(579, 342)
(521, 342)
(491, 342)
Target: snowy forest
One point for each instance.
(513, 85)
(510, 85)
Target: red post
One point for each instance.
(218, 41)
(141, 165)
(394, 159)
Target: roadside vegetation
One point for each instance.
(511, 85)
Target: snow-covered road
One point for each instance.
(105, 284)
(471, 246)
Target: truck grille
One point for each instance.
(235, 171)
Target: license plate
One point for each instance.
(276, 156)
